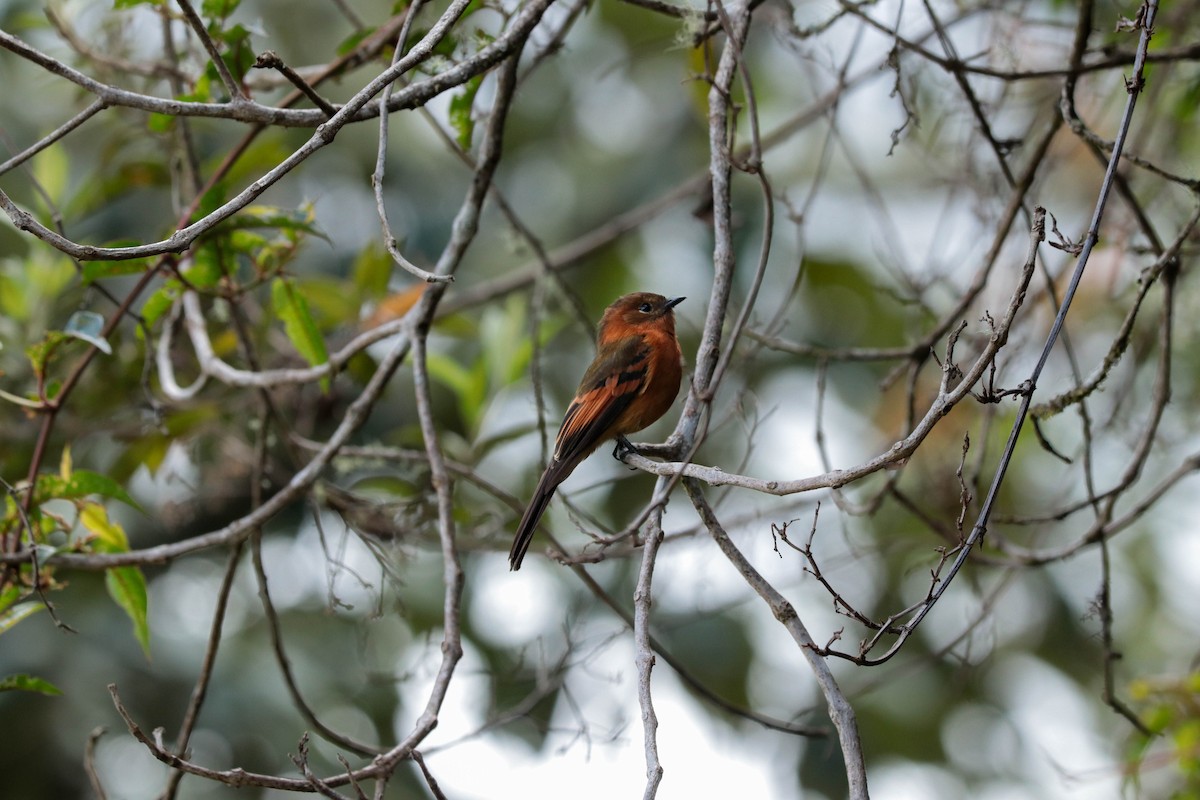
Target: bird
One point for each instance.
(631, 383)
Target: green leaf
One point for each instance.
(460, 112)
(10, 593)
(233, 37)
(95, 270)
(65, 464)
(352, 41)
(159, 303)
(40, 353)
(218, 8)
(372, 270)
(469, 385)
(214, 198)
(81, 484)
(48, 274)
(15, 302)
(51, 171)
(147, 451)
(500, 329)
(298, 323)
(286, 219)
(17, 613)
(110, 536)
(40, 525)
(206, 269)
(332, 302)
(127, 586)
(202, 93)
(28, 683)
(160, 123)
(247, 242)
(450, 373)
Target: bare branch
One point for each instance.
(642, 601)
(840, 710)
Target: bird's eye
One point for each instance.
(645, 308)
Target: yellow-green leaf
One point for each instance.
(10, 593)
(372, 269)
(460, 112)
(299, 325)
(17, 613)
(81, 484)
(51, 170)
(127, 586)
(28, 683)
(110, 536)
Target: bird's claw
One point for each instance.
(623, 448)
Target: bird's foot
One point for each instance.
(670, 450)
(623, 448)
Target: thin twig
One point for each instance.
(89, 763)
(200, 690)
(644, 658)
(389, 238)
(840, 711)
(269, 59)
(430, 781)
(58, 133)
(214, 53)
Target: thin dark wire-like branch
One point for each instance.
(466, 473)
(949, 396)
(945, 578)
(200, 690)
(1168, 260)
(1110, 654)
(285, 664)
(670, 10)
(1189, 52)
(840, 711)
(236, 777)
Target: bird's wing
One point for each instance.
(611, 384)
(608, 387)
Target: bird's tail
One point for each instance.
(533, 513)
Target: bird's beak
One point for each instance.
(674, 301)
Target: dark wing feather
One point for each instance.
(533, 513)
(612, 382)
(608, 388)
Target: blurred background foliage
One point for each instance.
(886, 199)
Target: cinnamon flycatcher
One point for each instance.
(632, 383)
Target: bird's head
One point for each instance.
(638, 312)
